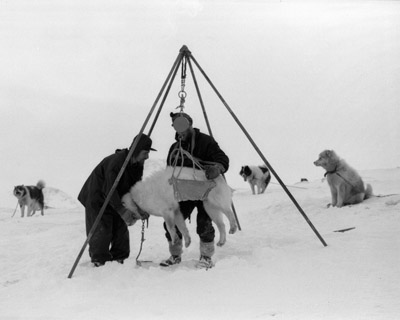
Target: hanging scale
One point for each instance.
(181, 123)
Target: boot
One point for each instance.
(98, 264)
(171, 261)
(205, 263)
(176, 251)
(206, 252)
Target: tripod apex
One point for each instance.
(184, 49)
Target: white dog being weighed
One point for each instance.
(156, 195)
(345, 183)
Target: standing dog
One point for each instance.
(256, 176)
(345, 183)
(30, 197)
(157, 196)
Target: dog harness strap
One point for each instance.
(345, 180)
(331, 172)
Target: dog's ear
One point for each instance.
(328, 153)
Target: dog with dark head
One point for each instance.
(345, 183)
(256, 176)
(30, 197)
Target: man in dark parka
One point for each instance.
(205, 149)
(110, 240)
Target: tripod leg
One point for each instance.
(114, 186)
(209, 126)
(260, 153)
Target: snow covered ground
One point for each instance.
(274, 268)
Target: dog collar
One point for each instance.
(330, 172)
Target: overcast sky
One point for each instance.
(79, 78)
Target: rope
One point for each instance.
(15, 210)
(180, 154)
(344, 179)
(386, 195)
(188, 189)
(289, 186)
(358, 189)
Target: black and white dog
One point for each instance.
(30, 197)
(256, 176)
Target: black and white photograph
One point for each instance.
(200, 159)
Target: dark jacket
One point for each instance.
(98, 185)
(204, 148)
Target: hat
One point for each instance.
(181, 121)
(143, 144)
(181, 114)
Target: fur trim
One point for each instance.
(175, 248)
(207, 249)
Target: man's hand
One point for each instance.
(214, 171)
(128, 216)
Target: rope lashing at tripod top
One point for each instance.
(184, 189)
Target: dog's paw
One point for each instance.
(220, 243)
(233, 229)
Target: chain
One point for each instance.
(141, 243)
(182, 94)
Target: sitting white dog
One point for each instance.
(158, 196)
(346, 185)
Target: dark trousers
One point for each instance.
(110, 240)
(204, 228)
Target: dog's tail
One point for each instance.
(368, 191)
(41, 184)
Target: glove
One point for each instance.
(128, 216)
(213, 171)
